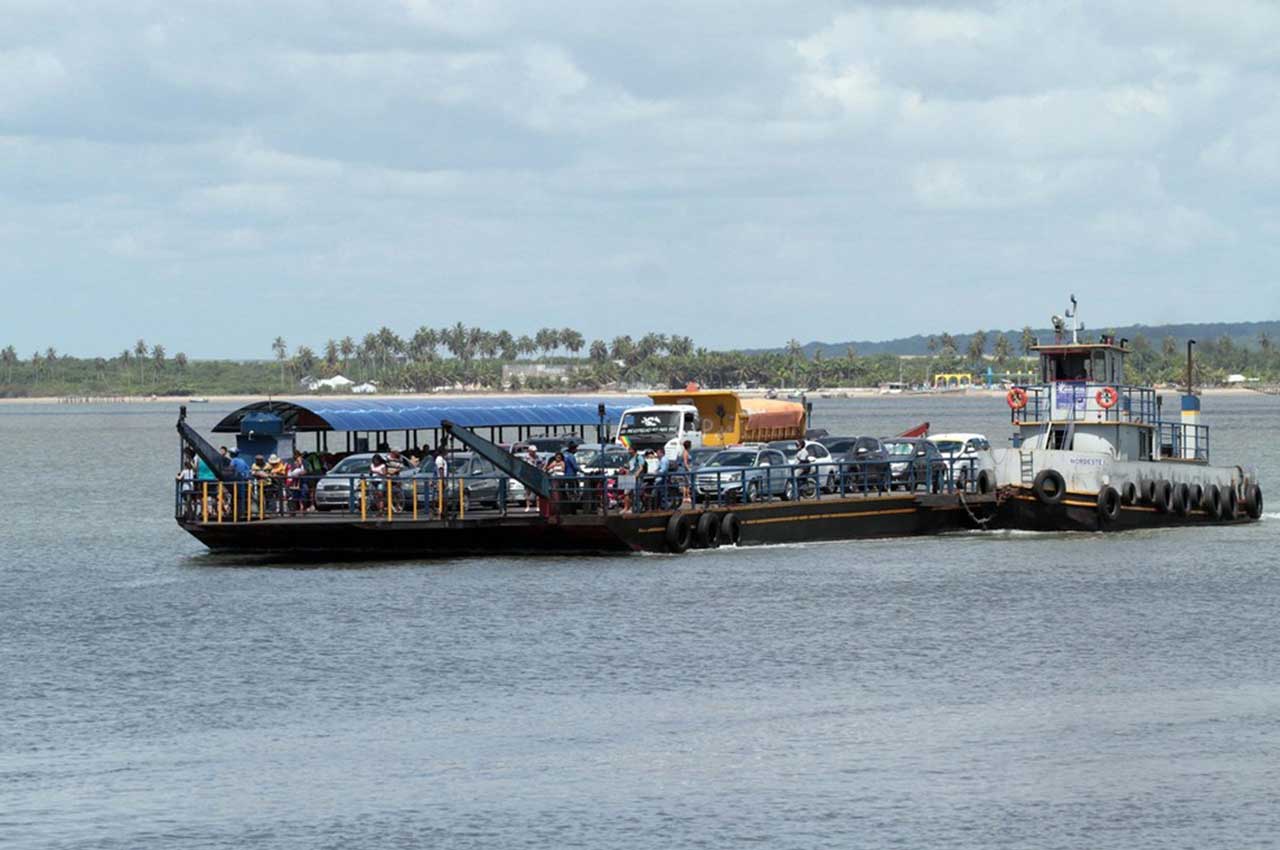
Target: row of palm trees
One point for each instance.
(48, 365)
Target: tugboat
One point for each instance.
(1092, 452)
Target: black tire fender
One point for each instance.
(1147, 490)
(1229, 503)
(1197, 496)
(707, 532)
(1163, 497)
(679, 533)
(1212, 501)
(986, 481)
(1253, 501)
(1181, 499)
(1049, 486)
(730, 529)
(1129, 493)
(1108, 504)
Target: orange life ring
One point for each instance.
(1017, 398)
(1107, 397)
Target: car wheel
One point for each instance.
(789, 491)
(753, 491)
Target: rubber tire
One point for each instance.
(730, 529)
(752, 493)
(1211, 502)
(1108, 504)
(1129, 493)
(789, 491)
(707, 533)
(1253, 501)
(985, 481)
(679, 534)
(1162, 499)
(1147, 490)
(1056, 491)
(1197, 496)
(1229, 504)
(1181, 499)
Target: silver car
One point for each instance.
(751, 474)
(340, 486)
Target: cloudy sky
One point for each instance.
(211, 174)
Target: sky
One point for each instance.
(210, 175)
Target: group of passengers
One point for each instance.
(645, 480)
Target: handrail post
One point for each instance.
(219, 502)
(262, 499)
(414, 487)
(440, 484)
(462, 502)
(235, 502)
(388, 499)
(363, 501)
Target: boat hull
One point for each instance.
(1021, 510)
(890, 515)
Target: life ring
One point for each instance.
(1107, 397)
(1016, 398)
(1212, 501)
(1049, 486)
(730, 529)
(1181, 499)
(679, 533)
(1129, 493)
(1163, 498)
(1253, 501)
(986, 482)
(707, 532)
(1108, 504)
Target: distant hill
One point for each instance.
(1242, 335)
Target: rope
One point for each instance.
(981, 522)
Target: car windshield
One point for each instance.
(839, 445)
(609, 460)
(650, 422)
(900, 449)
(352, 466)
(948, 447)
(732, 459)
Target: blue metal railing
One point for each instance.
(1077, 401)
(1188, 442)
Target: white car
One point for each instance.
(968, 455)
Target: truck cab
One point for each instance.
(662, 427)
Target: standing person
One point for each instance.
(531, 458)
(187, 475)
(442, 477)
(686, 470)
(240, 470)
(628, 475)
(297, 481)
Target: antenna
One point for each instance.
(1076, 325)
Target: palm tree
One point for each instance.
(51, 358)
(157, 354)
(180, 360)
(1028, 340)
(571, 340)
(1001, 349)
(304, 360)
(347, 347)
(599, 352)
(977, 346)
(331, 354)
(35, 366)
(948, 345)
(140, 354)
(10, 357)
(507, 345)
(282, 351)
(548, 339)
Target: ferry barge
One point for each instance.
(1094, 453)
(424, 516)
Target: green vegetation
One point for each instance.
(459, 358)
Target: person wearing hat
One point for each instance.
(531, 458)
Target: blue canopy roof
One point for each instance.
(329, 414)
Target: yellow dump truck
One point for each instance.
(709, 418)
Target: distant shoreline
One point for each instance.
(839, 392)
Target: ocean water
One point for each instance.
(974, 690)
